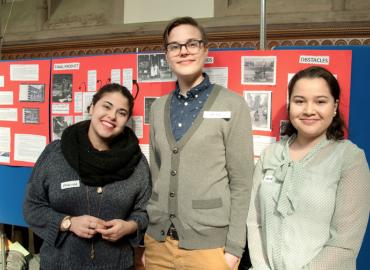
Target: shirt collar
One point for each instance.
(196, 90)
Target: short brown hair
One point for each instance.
(180, 21)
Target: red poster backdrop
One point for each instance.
(287, 62)
(264, 74)
(74, 80)
(24, 110)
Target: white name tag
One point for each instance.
(217, 114)
(70, 184)
(268, 178)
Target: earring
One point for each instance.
(335, 113)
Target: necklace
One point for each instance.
(99, 190)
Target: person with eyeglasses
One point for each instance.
(201, 159)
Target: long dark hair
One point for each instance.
(336, 129)
(110, 88)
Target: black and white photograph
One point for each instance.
(283, 127)
(31, 115)
(259, 70)
(259, 103)
(62, 88)
(60, 123)
(154, 68)
(32, 92)
(147, 104)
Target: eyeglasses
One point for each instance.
(192, 46)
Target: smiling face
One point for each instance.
(186, 65)
(312, 108)
(109, 116)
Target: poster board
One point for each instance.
(261, 77)
(24, 110)
(225, 66)
(75, 80)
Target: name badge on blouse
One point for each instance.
(268, 178)
(217, 114)
(70, 184)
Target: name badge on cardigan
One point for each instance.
(70, 184)
(217, 114)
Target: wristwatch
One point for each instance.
(66, 224)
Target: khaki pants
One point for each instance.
(167, 255)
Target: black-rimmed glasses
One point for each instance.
(192, 46)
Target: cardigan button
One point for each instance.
(162, 232)
(175, 150)
(173, 172)
(172, 215)
(172, 194)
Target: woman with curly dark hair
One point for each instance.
(87, 194)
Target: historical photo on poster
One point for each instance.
(283, 127)
(31, 115)
(147, 104)
(32, 92)
(60, 123)
(154, 68)
(62, 88)
(259, 103)
(259, 70)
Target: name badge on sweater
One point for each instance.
(217, 114)
(70, 184)
(268, 178)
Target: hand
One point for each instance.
(143, 258)
(116, 229)
(231, 260)
(86, 226)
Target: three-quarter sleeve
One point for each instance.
(350, 217)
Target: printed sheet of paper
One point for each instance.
(28, 147)
(2, 81)
(60, 108)
(6, 98)
(78, 102)
(8, 114)
(138, 126)
(91, 80)
(127, 78)
(24, 72)
(115, 76)
(145, 150)
(218, 75)
(67, 66)
(5, 144)
(261, 142)
(86, 101)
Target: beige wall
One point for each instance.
(136, 11)
(34, 21)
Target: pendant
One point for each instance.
(99, 190)
(92, 254)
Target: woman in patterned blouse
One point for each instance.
(310, 204)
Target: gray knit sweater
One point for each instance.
(202, 182)
(48, 201)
